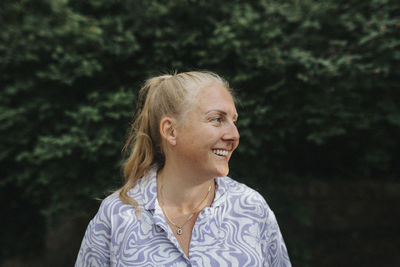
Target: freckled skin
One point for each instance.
(209, 125)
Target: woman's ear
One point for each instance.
(168, 130)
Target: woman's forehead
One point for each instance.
(215, 98)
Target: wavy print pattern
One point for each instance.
(239, 229)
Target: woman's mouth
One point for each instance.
(220, 152)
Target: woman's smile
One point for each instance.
(220, 152)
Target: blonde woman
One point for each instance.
(178, 207)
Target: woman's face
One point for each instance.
(208, 136)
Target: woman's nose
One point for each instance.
(232, 133)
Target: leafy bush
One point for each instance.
(315, 80)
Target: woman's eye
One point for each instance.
(218, 120)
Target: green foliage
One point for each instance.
(315, 81)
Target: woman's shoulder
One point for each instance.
(242, 201)
(237, 191)
(111, 200)
(112, 205)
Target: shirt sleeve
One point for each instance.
(95, 246)
(274, 248)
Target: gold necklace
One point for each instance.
(179, 230)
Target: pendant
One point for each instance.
(179, 231)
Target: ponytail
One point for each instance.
(139, 143)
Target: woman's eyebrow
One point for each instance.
(217, 110)
(235, 116)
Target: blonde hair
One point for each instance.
(170, 95)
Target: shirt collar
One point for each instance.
(220, 193)
(148, 188)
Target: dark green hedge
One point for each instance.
(316, 83)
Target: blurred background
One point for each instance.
(319, 115)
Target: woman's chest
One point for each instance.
(213, 243)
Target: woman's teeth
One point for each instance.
(220, 152)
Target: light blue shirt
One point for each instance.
(239, 229)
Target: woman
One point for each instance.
(177, 207)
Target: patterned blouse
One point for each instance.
(239, 229)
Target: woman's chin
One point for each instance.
(222, 171)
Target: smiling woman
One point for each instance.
(178, 207)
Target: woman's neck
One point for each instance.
(182, 190)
